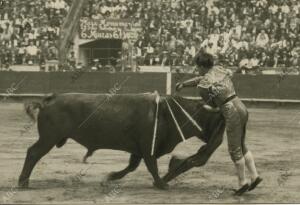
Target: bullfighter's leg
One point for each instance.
(134, 162)
(236, 150)
(179, 166)
(250, 164)
(151, 164)
(88, 154)
(34, 154)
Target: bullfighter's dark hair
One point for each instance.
(203, 59)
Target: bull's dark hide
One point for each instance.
(119, 122)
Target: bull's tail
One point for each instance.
(33, 108)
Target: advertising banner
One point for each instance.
(109, 29)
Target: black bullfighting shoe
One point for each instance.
(242, 190)
(254, 184)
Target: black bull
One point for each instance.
(122, 122)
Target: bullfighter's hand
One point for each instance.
(210, 109)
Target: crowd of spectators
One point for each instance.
(29, 30)
(118, 9)
(249, 34)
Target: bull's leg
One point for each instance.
(34, 154)
(88, 154)
(151, 164)
(134, 162)
(179, 166)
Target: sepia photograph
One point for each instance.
(149, 102)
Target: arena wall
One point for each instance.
(89, 82)
(256, 86)
(248, 86)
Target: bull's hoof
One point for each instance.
(23, 184)
(175, 162)
(161, 185)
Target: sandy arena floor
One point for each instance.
(273, 137)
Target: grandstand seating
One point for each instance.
(248, 34)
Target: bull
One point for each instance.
(121, 122)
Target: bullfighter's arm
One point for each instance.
(192, 82)
(210, 108)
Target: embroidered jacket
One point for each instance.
(215, 86)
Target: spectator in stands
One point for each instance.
(165, 59)
(190, 49)
(295, 59)
(254, 62)
(139, 56)
(72, 60)
(52, 51)
(156, 56)
(149, 54)
(265, 60)
(245, 64)
(285, 8)
(174, 59)
(5, 56)
(42, 62)
(275, 59)
(262, 39)
(172, 43)
(273, 8)
(284, 60)
(7, 32)
(186, 59)
(21, 51)
(31, 53)
(282, 44)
